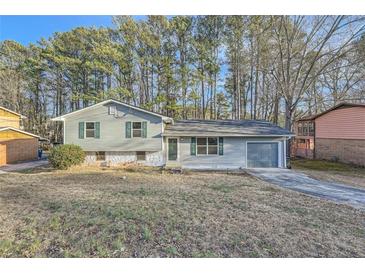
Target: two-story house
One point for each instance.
(335, 134)
(113, 132)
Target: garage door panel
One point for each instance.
(262, 154)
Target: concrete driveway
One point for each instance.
(300, 182)
(23, 166)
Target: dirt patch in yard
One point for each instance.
(111, 213)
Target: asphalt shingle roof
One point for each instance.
(224, 128)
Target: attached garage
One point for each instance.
(262, 154)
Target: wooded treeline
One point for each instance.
(275, 68)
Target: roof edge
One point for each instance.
(313, 117)
(61, 118)
(21, 131)
(13, 112)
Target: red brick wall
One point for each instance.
(21, 150)
(347, 151)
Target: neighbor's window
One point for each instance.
(100, 155)
(305, 129)
(300, 129)
(137, 129)
(90, 130)
(141, 155)
(311, 129)
(207, 146)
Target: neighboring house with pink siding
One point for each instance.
(336, 134)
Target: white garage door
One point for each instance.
(262, 154)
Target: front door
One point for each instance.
(172, 149)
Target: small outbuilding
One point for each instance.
(15, 144)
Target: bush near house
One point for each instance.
(66, 156)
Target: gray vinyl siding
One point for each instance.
(112, 130)
(234, 155)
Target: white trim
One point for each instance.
(59, 118)
(253, 142)
(284, 143)
(19, 130)
(177, 147)
(207, 145)
(13, 112)
(225, 135)
(85, 129)
(64, 132)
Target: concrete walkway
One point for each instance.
(23, 166)
(297, 181)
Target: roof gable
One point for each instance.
(62, 117)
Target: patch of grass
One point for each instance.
(146, 233)
(53, 206)
(323, 165)
(93, 213)
(270, 189)
(172, 251)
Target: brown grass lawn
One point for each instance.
(332, 171)
(148, 214)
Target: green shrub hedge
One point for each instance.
(66, 156)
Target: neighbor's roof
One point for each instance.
(21, 131)
(341, 105)
(225, 128)
(60, 118)
(8, 110)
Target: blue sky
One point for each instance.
(29, 29)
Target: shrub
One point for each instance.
(66, 156)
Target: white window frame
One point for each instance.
(136, 129)
(145, 156)
(94, 122)
(207, 146)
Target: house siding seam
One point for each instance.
(112, 130)
(234, 155)
(347, 151)
(342, 123)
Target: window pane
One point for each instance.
(202, 150)
(90, 133)
(137, 125)
(137, 133)
(90, 125)
(202, 141)
(213, 141)
(100, 156)
(212, 150)
(141, 155)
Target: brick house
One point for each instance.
(15, 144)
(337, 134)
